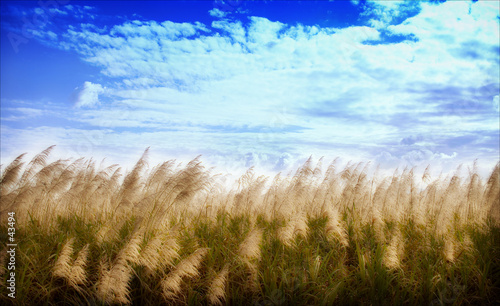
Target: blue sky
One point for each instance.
(247, 83)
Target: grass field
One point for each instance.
(174, 235)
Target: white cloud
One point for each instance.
(263, 31)
(217, 13)
(88, 95)
(234, 29)
(383, 13)
(475, 22)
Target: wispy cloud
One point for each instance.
(22, 113)
(215, 12)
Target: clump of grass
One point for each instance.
(172, 235)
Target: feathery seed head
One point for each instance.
(334, 229)
(114, 285)
(301, 227)
(150, 255)
(393, 252)
(286, 233)
(169, 251)
(190, 265)
(77, 274)
(217, 289)
(171, 285)
(378, 225)
(449, 248)
(62, 268)
(250, 248)
(131, 251)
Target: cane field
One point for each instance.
(173, 234)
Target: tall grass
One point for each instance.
(173, 234)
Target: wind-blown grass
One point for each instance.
(173, 234)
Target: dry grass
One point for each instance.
(217, 288)
(114, 284)
(72, 271)
(341, 235)
(188, 267)
(250, 248)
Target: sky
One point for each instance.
(253, 83)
